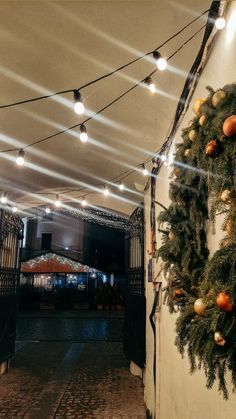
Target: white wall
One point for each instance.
(179, 394)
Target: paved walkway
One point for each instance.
(70, 370)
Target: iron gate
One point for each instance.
(10, 239)
(135, 302)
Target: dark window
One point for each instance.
(46, 242)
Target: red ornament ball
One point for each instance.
(229, 126)
(223, 301)
(212, 148)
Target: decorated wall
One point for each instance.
(175, 392)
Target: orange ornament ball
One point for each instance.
(223, 301)
(178, 294)
(212, 148)
(229, 126)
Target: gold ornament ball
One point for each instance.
(200, 307)
(202, 120)
(192, 135)
(197, 106)
(171, 235)
(187, 152)
(226, 196)
(218, 97)
(219, 339)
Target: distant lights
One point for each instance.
(220, 23)
(106, 190)
(57, 202)
(144, 170)
(121, 186)
(14, 209)
(151, 85)
(83, 134)
(163, 157)
(3, 198)
(20, 160)
(78, 103)
(161, 62)
(47, 210)
(84, 203)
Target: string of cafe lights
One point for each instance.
(79, 108)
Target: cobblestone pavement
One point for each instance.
(59, 372)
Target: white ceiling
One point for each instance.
(51, 46)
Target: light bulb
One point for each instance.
(57, 202)
(83, 134)
(14, 209)
(163, 157)
(144, 170)
(151, 85)
(47, 210)
(84, 202)
(106, 191)
(161, 62)
(220, 23)
(121, 186)
(20, 160)
(78, 105)
(3, 198)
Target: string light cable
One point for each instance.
(109, 104)
(111, 73)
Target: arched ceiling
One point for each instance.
(47, 46)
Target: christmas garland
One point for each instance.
(203, 289)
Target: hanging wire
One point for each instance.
(107, 74)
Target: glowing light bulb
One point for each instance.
(163, 157)
(3, 198)
(83, 134)
(14, 209)
(48, 210)
(220, 23)
(144, 170)
(151, 85)
(121, 186)
(57, 202)
(106, 191)
(161, 62)
(20, 160)
(78, 105)
(84, 202)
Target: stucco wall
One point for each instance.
(179, 394)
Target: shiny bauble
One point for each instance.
(212, 148)
(229, 126)
(187, 152)
(202, 120)
(200, 307)
(192, 135)
(223, 300)
(178, 294)
(219, 339)
(176, 171)
(197, 106)
(171, 235)
(218, 97)
(226, 196)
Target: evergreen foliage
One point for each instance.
(204, 185)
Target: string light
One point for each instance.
(150, 84)
(3, 198)
(14, 209)
(144, 170)
(78, 105)
(161, 62)
(106, 190)
(48, 210)
(57, 202)
(20, 160)
(163, 157)
(121, 186)
(220, 23)
(84, 202)
(83, 134)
